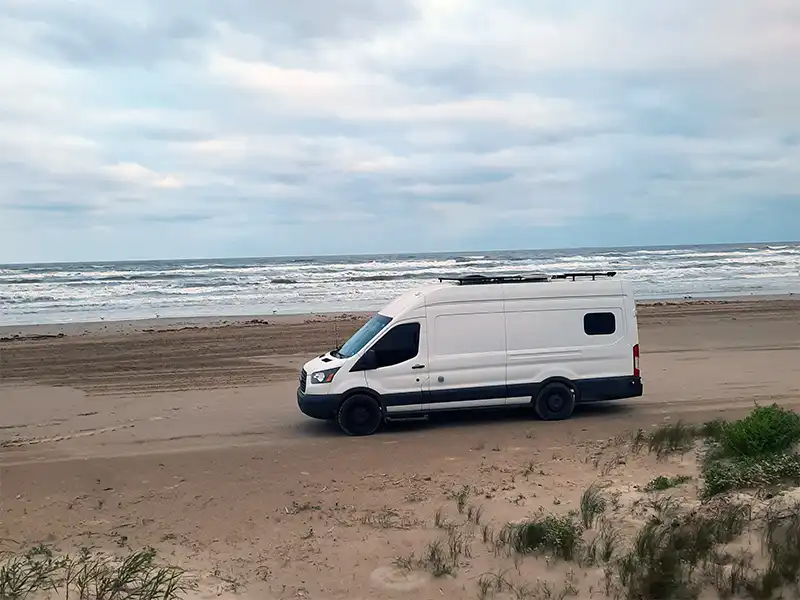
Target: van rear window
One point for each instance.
(604, 323)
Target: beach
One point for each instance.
(184, 435)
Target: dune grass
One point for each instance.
(593, 505)
(674, 438)
(667, 554)
(560, 536)
(89, 575)
(754, 452)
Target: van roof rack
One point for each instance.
(593, 275)
(477, 279)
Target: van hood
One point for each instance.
(323, 362)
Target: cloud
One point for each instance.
(197, 128)
(58, 208)
(136, 174)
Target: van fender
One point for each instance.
(561, 378)
(364, 391)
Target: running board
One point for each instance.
(407, 419)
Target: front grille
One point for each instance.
(303, 377)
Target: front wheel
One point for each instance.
(359, 415)
(555, 402)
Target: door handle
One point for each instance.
(418, 367)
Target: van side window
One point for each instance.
(400, 344)
(599, 323)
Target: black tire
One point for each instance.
(555, 402)
(359, 415)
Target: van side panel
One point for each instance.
(574, 338)
(466, 355)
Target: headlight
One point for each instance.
(324, 376)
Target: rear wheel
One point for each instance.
(359, 415)
(555, 402)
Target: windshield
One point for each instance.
(363, 336)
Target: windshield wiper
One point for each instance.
(336, 354)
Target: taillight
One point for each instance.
(636, 371)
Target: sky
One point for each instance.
(201, 128)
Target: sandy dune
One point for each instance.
(185, 436)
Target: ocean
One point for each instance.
(82, 292)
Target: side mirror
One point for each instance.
(368, 362)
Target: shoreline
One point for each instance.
(11, 333)
(265, 288)
(103, 328)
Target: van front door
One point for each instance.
(400, 375)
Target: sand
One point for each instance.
(185, 435)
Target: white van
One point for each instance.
(479, 342)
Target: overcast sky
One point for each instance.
(199, 128)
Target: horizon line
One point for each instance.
(387, 254)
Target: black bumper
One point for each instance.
(609, 388)
(318, 406)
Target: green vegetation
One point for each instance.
(667, 555)
(441, 557)
(678, 554)
(558, 535)
(678, 558)
(724, 475)
(437, 561)
(603, 547)
(492, 584)
(766, 430)
(593, 504)
(661, 483)
(88, 576)
(676, 438)
(754, 452)
(781, 544)
(712, 429)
